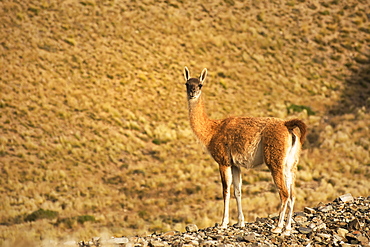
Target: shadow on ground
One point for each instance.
(355, 96)
(356, 93)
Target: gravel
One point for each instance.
(344, 222)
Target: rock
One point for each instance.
(191, 228)
(304, 230)
(209, 243)
(194, 242)
(323, 235)
(201, 235)
(190, 244)
(312, 225)
(342, 232)
(156, 243)
(325, 208)
(122, 240)
(317, 239)
(316, 220)
(250, 237)
(187, 237)
(262, 220)
(309, 210)
(70, 243)
(170, 233)
(277, 240)
(346, 198)
(363, 240)
(300, 219)
(320, 226)
(127, 245)
(219, 238)
(352, 239)
(240, 238)
(354, 225)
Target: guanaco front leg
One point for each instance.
(226, 178)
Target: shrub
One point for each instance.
(41, 214)
(84, 218)
(300, 108)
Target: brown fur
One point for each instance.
(294, 123)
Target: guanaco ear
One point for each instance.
(186, 74)
(203, 75)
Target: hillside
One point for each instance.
(94, 127)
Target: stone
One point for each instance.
(346, 198)
(156, 243)
(316, 219)
(320, 226)
(338, 238)
(219, 238)
(323, 235)
(309, 210)
(363, 240)
(239, 237)
(170, 233)
(317, 239)
(70, 243)
(262, 220)
(191, 228)
(122, 240)
(354, 225)
(304, 230)
(277, 240)
(209, 243)
(325, 208)
(250, 237)
(352, 239)
(312, 225)
(187, 237)
(300, 219)
(342, 232)
(201, 235)
(194, 243)
(345, 245)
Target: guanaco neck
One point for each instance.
(202, 126)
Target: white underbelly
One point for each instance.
(251, 157)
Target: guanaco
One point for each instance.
(236, 142)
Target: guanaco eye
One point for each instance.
(200, 86)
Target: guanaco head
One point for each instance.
(194, 85)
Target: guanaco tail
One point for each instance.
(236, 142)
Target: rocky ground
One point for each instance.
(343, 222)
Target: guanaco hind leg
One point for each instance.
(285, 202)
(237, 182)
(284, 178)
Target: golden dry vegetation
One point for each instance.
(94, 132)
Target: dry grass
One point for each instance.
(94, 116)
